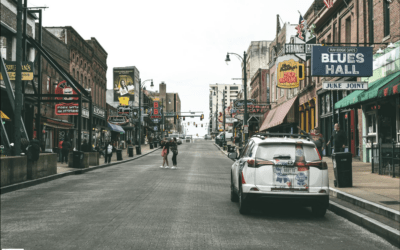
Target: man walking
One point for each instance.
(339, 139)
(65, 151)
(60, 150)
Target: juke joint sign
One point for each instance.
(341, 61)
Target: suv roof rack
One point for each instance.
(299, 136)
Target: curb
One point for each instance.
(31, 183)
(368, 205)
(390, 234)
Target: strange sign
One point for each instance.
(289, 74)
(341, 61)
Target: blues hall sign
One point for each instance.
(341, 61)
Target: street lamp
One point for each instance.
(244, 58)
(141, 85)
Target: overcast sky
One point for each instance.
(180, 42)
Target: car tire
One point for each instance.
(243, 204)
(234, 196)
(319, 210)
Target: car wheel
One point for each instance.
(243, 204)
(319, 210)
(234, 196)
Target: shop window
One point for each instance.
(3, 47)
(371, 123)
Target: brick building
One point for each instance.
(88, 65)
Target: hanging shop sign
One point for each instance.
(118, 120)
(125, 80)
(11, 67)
(345, 85)
(123, 100)
(299, 48)
(240, 103)
(290, 73)
(66, 108)
(341, 61)
(99, 111)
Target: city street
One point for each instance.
(138, 205)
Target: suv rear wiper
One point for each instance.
(282, 156)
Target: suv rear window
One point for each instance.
(268, 151)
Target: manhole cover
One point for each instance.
(390, 202)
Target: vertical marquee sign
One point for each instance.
(66, 108)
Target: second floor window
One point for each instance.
(386, 18)
(348, 31)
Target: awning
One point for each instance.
(372, 92)
(116, 128)
(4, 116)
(359, 96)
(277, 115)
(391, 88)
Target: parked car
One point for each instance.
(178, 141)
(207, 137)
(228, 136)
(276, 168)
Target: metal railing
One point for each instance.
(387, 158)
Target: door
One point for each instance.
(352, 133)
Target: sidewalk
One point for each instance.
(62, 168)
(381, 189)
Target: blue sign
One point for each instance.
(341, 61)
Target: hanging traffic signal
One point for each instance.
(183, 118)
(196, 125)
(201, 117)
(188, 123)
(177, 116)
(201, 125)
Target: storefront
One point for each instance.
(55, 130)
(117, 132)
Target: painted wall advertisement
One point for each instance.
(341, 61)
(66, 108)
(125, 80)
(290, 73)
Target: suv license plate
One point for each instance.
(287, 170)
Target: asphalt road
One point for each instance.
(137, 205)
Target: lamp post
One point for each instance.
(244, 58)
(141, 85)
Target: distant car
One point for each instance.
(277, 168)
(188, 138)
(181, 136)
(178, 141)
(207, 137)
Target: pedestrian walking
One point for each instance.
(174, 149)
(108, 153)
(165, 144)
(339, 139)
(66, 146)
(60, 150)
(86, 147)
(317, 138)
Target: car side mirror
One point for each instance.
(232, 156)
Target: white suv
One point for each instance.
(283, 168)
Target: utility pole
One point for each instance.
(245, 96)
(140, 118)
(18, 83)
(163, 125)
(223, 105)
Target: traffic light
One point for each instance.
(196, 125)
(201, 125)
(188, 123)
(201, 117)
(183, 118)
(177, 116)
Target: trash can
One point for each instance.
(138, 151)
(342, 167)
(151, 145)
(119, 154)
(130, 151)
(77, 157)
(231, 149)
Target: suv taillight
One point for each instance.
(319, 164)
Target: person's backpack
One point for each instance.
(109, 149)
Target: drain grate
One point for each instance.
(390, 202)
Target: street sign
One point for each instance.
(246, 129)
(344, 85)
(299, 48)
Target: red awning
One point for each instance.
(277, 115)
